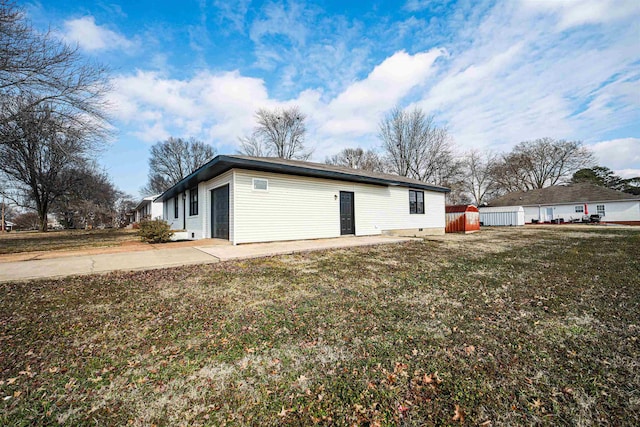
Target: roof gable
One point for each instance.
(146, 200)
(559, 194)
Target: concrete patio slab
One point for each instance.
(255, 250)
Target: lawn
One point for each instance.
(16, 242)
(504, 327)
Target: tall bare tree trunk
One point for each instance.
(2, 215)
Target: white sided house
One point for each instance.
(571, 203)
(148, 209)
(256, 199)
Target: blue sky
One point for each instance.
(494, 72)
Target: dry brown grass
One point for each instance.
(18, 242)
(542, 331)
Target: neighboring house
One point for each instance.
(572, 203)
(53, 223)
(8, 225)
(129, 217)
(148, 209)
(255, 199)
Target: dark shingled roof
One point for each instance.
(223, 163)
(559, 194)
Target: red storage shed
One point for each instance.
(462, 219)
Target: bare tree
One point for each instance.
(251, 146)
(509, 173)
(38, 68)
(478, 179)
(26, 221)
(172, 160)
(540, 163)
(90, 202)
(415, 147)
(125, 206)
(52, 112)
(40, 154)
(279, 133)
(357, 158)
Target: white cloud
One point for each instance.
(301, 47)
(571, 13)
(519, 79)
(232, 13)
(220, 107)
(280, 20)
(358, 109)
(621, 155)
(152, 133)
(628, 173)
(93, 37)
(199, 33)
(217, 107)
(507, 76)
(418, 5)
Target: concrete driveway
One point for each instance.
(101, 263)
(171, 257)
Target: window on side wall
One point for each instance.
(175, 207)
(579, 209)
(416, 202)
(600, 209)
(193, 201)
(260, 184)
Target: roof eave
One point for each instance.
(142, 203)
(226, 163)
(580, 202)
(336, 175)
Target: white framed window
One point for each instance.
(580, 209)
(600, 209)
(260, 184)
(416, 202)
(193, 201)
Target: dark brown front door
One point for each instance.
(220, 213)
(347, 220)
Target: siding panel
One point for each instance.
(198, 226)
(297, 207)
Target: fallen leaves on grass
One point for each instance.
(403, 409)
(458, 414)
(388, 346)
(283, 412)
